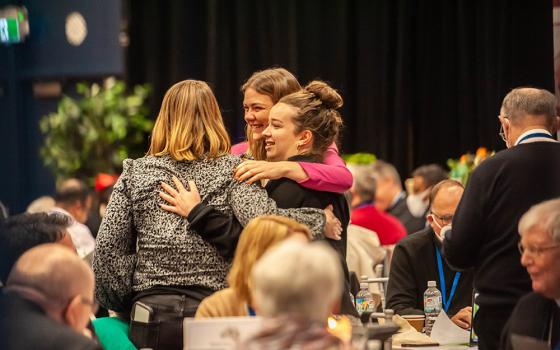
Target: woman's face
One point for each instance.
(280, 137)
(257, 107)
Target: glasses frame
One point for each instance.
(445, 220)
(535, 251)
(501, 132)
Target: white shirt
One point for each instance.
(534, 139)
(80, 234)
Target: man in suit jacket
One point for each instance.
(537, 315)
(417, 260)
(500, 190)
(390, 197)
(47, 301)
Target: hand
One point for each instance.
(463, 318)
(255, 170)
(182, 200)
(333, 228)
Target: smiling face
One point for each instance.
(256, 107)
(280, 138)
(543, 267)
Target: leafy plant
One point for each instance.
(462, 168)
(359, 158)
(96, 132)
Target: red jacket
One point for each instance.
(388, 228)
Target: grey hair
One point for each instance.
(385, 170)
(364, 180)
(525, 101)
(297, 279)
(545, 215)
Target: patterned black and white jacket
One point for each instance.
(140, 245)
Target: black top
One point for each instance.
(413, 264)
(289, 194)
(532, 317)
(24, 325)
(409, 221)
(484, 234)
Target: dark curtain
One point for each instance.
(422, 80)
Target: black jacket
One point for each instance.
(413, 264)
(409, 221)
(484, 234)
(531, 317)
(24, 325)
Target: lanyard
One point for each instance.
(446, 301)
(532, 136)
(250, 311)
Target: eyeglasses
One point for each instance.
(502, 133)
(445, 219)
(534, 250)
(92, 304)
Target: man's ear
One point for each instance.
(429, 218)
(71, 312)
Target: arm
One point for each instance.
(333, 176)
(401, 289)
(115, 252)
(463, 240)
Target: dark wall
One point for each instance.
(46, 56)
(422, 80)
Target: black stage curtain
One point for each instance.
(422, 81)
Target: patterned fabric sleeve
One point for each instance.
(115, 252)
(249, 201)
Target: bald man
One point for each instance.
(47, 301)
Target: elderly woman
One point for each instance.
(537, 314)
(258, 236)
(295, 288)
(153, 258)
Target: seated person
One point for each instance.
(47, 301)
(22, 232)
(537, 314)
(389, 230)
(258, 236)
(423, 179)
(295, 287)
(417, 259)
(391, 198)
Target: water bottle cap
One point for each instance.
(363, 277)
(363, 285)
(432, 283)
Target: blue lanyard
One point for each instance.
(250, 311)
(446, 301)
(532, 136)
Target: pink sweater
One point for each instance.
(331, 176)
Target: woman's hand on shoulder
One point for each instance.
(181, 200)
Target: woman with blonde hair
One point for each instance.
(259, 235)
(154, 259)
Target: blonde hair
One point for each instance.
(274, 83)
(258, 236)
(189, 125)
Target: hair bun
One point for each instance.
(328, 96)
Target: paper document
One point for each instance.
(445, 331)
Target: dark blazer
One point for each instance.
(414, 263)
(409, 221)
(531, 317)
(24, 325)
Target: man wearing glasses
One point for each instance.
(501, 189)
(537, 314)
(417, 259)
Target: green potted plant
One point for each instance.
(94, 133)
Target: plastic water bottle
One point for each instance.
(364, 300)
(432, 305)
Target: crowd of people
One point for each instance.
(279, 227)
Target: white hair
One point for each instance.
(545, 215)
(299, 279)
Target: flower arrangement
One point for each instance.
(462, 168)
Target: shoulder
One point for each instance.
(239, 148)
(533, 301)
(416, 240)
(221, 304)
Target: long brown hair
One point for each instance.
(189, 125)
(274, 83)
